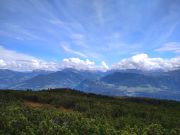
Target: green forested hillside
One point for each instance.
(68, 112)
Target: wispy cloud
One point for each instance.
(98, 6)
(18, 32)
(79, 39)
(98, 29)
(13, 60)
(170, 47)
(66, 48)
(10, 59)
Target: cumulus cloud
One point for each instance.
(104, 65)
(144, 62)
(2, 63)
(78, 64)
(22, 62)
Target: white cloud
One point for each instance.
(78, 64)
(18, 32)
(2, 63)
(18, 61)
(104, 65)
(22, 62)
(144, 62)
(13, 55)
(171, 46)
(69, 50)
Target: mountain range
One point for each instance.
(131, 82)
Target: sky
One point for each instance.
(89, 34)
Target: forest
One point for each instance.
(71, 112)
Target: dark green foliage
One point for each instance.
(86, 114)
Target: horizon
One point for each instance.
(89, 35)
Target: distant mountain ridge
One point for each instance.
(132, 82)
(59, 79)
(9, 78)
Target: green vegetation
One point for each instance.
(68, 112)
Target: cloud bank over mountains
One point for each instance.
(22, 62)
(144, 62)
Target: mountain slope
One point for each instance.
(9, 78)
(59, 79)
(66, 78)
(163, 80)
(157, 84)
(70, 112)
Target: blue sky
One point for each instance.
(97, 30)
